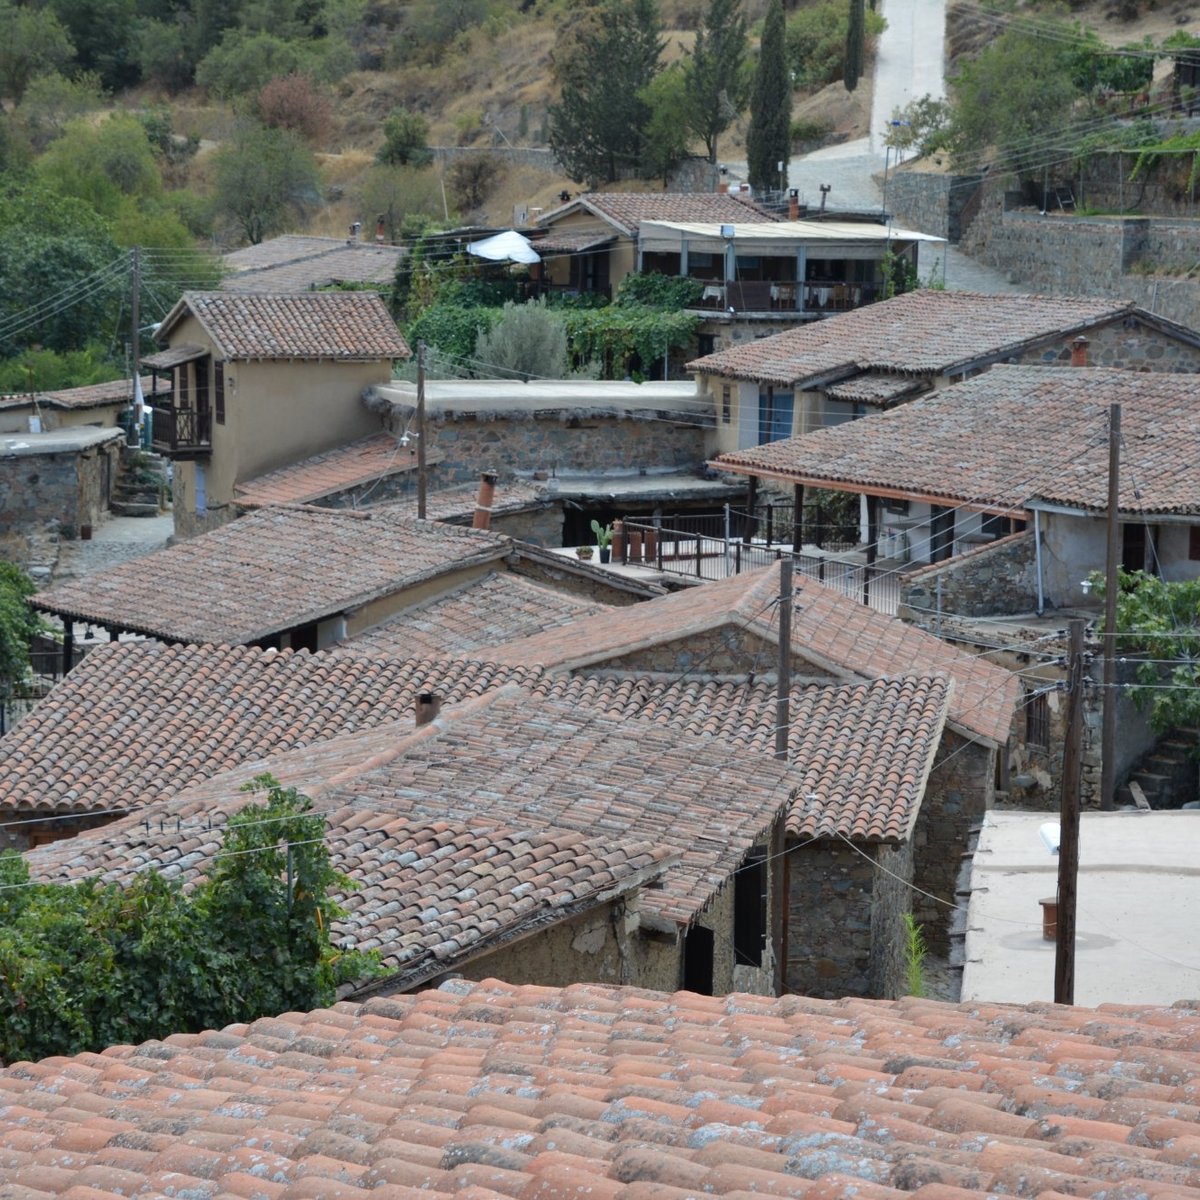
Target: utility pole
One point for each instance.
(783, 685)
(135, 357)
(777, 848)
(1108, 729)
(1068, 828)
(421, 480)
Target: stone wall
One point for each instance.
(567, 442)
(1000, 577)
(961, 788)
(931, 202)
(1090, 256)
(724, 651)
(54, 493)
(844, 918)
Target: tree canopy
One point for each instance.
(716, 77)
(89, 965)
(605, 56)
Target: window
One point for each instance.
(750, 909)
(1037, 720)
(994, 526)
(726, 404)
(1194, 543)
(219, 391)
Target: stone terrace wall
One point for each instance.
(1000, 577)
(1091, 256)
(570, 443)
(931, 202)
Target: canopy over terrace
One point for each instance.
(808, 266)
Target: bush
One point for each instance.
(816, 41)
(245, 63)
(295, 103)
(473, 178)
(652, 290)
(806, 130)
(164, 56)
(405, 140)
(527, 342)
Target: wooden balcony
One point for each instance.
(182, 433)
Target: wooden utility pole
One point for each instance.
(777, 848)
(1112, 563)
(421, 480)
(1068, 830)
(783, 686)
(135, 318)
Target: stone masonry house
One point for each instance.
(798, 382)
(476, 1090)
(259, 381)
(301, 263)
(948, 475)
(97, 404)
(729, 631)
(859, 751)
(298, 577)
(515, 762)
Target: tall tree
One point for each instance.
(603, 60)
(768, 140)
(266, 179)
(856, 37)
(716, 80)
(34, 43)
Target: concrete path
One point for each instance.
(908, 60)
(117, 540)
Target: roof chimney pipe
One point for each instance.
(428, 705)
(794, 204)
(483, 505)
(1079, 352)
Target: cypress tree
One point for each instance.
(768, 140)
(856, 33)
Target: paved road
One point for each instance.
(115, 541)
(908, 65)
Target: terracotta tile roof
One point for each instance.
(340, 326)
(135, 723)
(93, 395)
(547, 764)
(864, 749)
(430, 893)
(457, 504)
(483, 612)
(275, 569)
(563, 241)
(293, 263)
(486, 1090)
(874, 387)
(539, 765)
(361, 462)
(922, 332)
(1008, 437)
(850, 640)
(626, 210)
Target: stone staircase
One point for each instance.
(141, 487)
(1169, 775)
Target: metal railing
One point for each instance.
(709, 549)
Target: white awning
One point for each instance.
(507, 246)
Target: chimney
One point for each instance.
(483, 505)
(429, 704)
(380, 227)
(825, 190)
(793, 204)
(352, 236)
(1079, 354)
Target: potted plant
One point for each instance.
(584, 553)
(604, 536)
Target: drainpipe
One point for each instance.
(1037, 550)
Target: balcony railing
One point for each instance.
(761, 296)
(182, 432)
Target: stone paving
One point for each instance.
(117, 540)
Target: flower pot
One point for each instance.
(584, 553)
(605, 553)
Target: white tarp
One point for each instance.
(509, 245)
